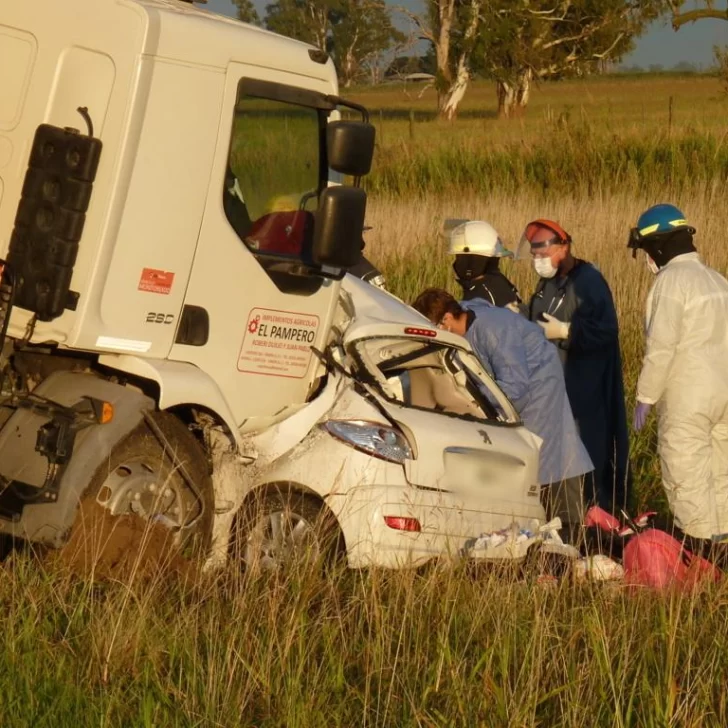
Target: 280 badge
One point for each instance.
(159, 318)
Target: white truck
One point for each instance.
(180, 343)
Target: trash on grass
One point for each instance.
(599, 568)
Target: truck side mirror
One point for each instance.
(338, 228)
(350, 147)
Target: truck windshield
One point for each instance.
(433, 376)
(274, 175)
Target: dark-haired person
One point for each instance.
(573, 305)
(527, 369)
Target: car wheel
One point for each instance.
(148, 507)
(280, 528)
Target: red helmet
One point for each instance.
(525, 246)
(561, 234)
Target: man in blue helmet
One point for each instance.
(684, 372)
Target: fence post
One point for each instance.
(412, 125)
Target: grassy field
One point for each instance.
(456, 647)
(445, 647)
(604, 135)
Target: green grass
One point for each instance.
(572, 159)
(606, 134)
(438, 648)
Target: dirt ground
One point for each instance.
(105, 546)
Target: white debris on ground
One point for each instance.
(599, 568)
(514, 543)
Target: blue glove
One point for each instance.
(640, 415)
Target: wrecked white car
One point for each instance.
(409, 450)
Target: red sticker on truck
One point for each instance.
(278, 343)
(156, 281)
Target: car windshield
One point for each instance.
(432, 376)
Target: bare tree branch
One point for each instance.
(425, 30)
(680, 19)
(604, 54)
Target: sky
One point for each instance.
(660, 45)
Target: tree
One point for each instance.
(721, 60)
(306, 20)
(527, 40)
(362, 31)
(707, 11)
(518, 41)
(451, 27)
(356, 32)
(246, 11)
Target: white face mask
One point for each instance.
(544, 267)
(651, 265)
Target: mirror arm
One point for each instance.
(338, 101)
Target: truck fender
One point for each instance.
(49, 523)
(179, 383)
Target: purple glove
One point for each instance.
(640, 415)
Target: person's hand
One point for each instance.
(553, 328)
(640, 415)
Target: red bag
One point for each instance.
(598, 517)
(653, 558)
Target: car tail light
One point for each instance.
(401, 523)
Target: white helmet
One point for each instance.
(477, 238)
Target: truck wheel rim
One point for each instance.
(137, 488)
(279, 538)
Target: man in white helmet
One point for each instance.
(477, 248)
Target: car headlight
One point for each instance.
(379, 441)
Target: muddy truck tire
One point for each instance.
(148, 508)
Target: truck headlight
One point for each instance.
(379, 441)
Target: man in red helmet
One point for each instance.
(573, 305)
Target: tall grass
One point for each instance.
(563, 161)
(458, 647)
(606, 135)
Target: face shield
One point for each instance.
(634, 242)
(539, 240)
(661, 247)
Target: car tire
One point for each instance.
(281, 527)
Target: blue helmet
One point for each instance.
(654, 229)
(662, 219)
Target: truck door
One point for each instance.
(252, 312)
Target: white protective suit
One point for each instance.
(685, 373)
